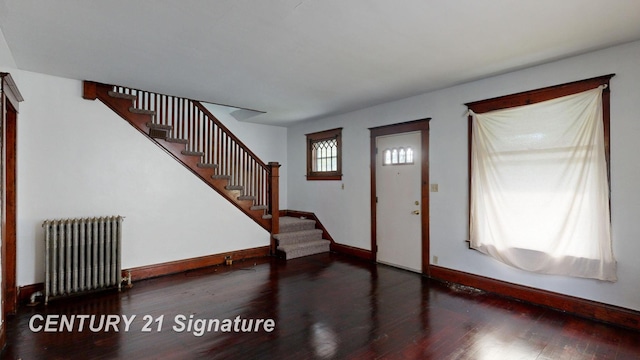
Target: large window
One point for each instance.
(324, 155)
(539, 180)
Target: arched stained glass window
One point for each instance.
(324, 155)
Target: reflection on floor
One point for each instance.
(323, 306)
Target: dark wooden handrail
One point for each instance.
(230, 134)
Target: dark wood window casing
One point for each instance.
(545, 94)
(331, 162)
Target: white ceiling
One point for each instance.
(304, 59)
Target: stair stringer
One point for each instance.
(122, 107)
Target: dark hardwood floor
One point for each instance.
(324, 307)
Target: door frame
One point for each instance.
(421, 125)
(9, 213)
(10, 98)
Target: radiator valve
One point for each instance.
(35, 298)
(128, 279)
(228, 260)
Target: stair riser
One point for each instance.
(290, 240)
(312, 250)
(301, 233)
(296, 227)
(158, 133)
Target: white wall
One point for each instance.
(346, 212)
(6, 58)
(77, 158)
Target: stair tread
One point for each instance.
(234, 187)
(290, 224)
(207, 165)
(297, 233)
(220, 176)
(120, 95)
(246, 197)
(177, 141)
(141, 111)
(259, 207)
(192, 153)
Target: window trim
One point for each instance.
(536, 96)
(313, 138)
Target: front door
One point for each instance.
(398, 191)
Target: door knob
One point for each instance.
(416, 212)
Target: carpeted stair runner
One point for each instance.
(298, 237)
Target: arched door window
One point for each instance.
(397, 156)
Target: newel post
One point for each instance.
(274, 202)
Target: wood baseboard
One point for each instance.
(174, 267)
(585, 308)
(352, 251)
(168, 268)
(3, 335)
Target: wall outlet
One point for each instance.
(434, 187)
(435, 260)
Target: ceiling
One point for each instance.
(298, 60)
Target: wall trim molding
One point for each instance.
(3, 335)
(178, 266)
(352, 251)
(577, 306)
(167, 268)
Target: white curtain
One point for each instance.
(539, 187)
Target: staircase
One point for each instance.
(188, 132)
(298, 237)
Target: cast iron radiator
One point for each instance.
(82, 255)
